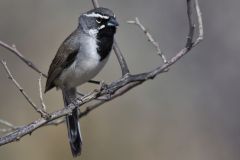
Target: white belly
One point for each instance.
(79, 73)
(86, 66)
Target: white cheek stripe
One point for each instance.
(96, 15)
(101, 27)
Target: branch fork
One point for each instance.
(115, 89)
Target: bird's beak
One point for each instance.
(112, 22)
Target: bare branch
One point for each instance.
(114, 89)
(200, 23)
(95, 3)
(121, 59)
(149, 37)
(14, 50)
(191, 25)
(6, 123)
(41, 94)
(10, 76)
(28, 129)
(10, 126)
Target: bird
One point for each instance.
(80, 57)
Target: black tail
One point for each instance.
(73, 126)
(74, 134)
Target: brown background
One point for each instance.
(190, 113)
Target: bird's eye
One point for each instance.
(98, 20)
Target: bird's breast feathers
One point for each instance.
(86, 65)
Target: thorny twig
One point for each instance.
(116, 88)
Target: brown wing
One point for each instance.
(65, 56)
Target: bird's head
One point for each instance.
(97, 20)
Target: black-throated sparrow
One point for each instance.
(80, 57)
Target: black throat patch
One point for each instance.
(105, 41)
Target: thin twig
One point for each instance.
(200, 23)
(95, 3)
(10, 76)
(41, 93)
(149, 37)
(10, 126)
(191, 25)
(14, 50)
(4, 130)
(121, 59)
(6, 123)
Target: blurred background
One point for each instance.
(189, 113)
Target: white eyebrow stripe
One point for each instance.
(96, 15)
